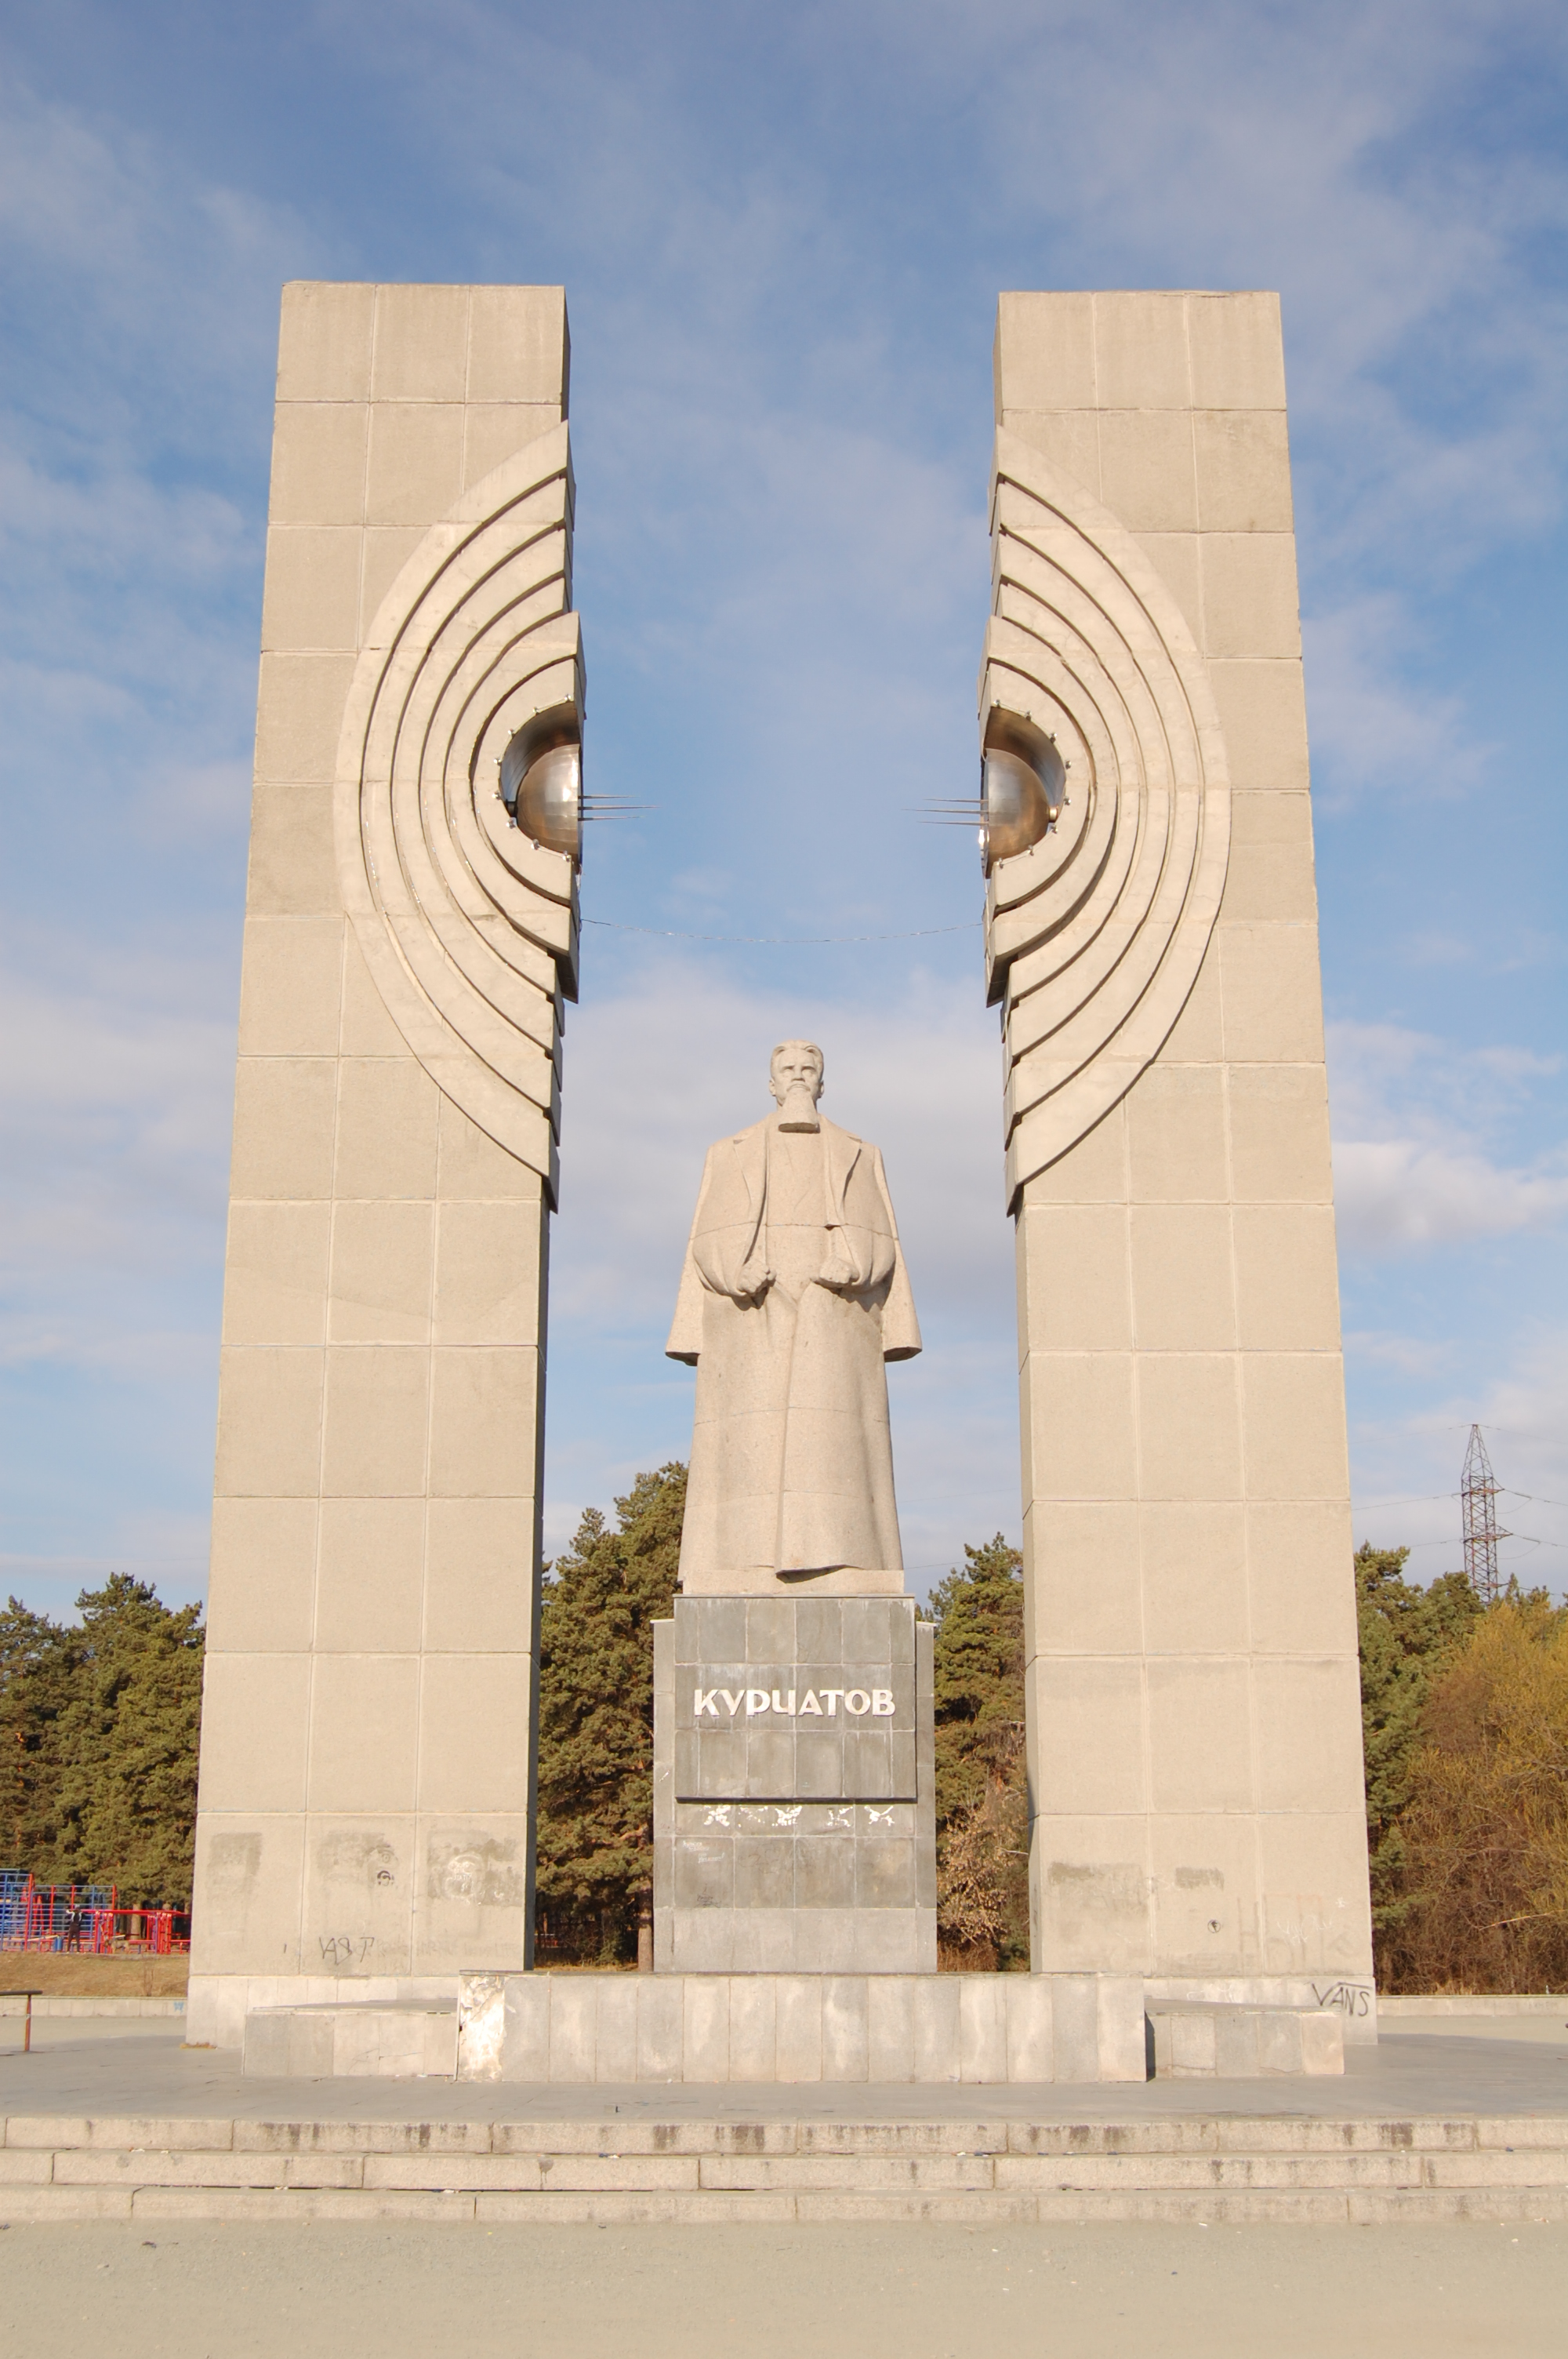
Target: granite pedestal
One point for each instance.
(794, 1804)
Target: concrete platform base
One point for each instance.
(713, 2029)
(889, 2028)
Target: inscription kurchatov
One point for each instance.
(819, 1704)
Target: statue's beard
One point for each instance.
(798, 1110)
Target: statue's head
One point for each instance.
(795, 1077)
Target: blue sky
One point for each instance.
(782, 234)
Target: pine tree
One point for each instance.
(982, 1806)
(127, 1806)
(596, 1715)
(39, 1662)
(97, 1739)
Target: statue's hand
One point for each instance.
(838, 1274)
(755, 1291)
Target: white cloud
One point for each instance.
(1370, 729)
(1415, 1126)
(1397, 1193)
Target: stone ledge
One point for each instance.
(897, 2030)
(1241, 2043)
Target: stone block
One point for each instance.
(310, 598)
(1176, 1117)
(661, 2027)
(414, 471)
(574, 2013)
(269, 1423)
(753, 2039)
(318, 464)
(487, 1271)
(1250, 594)
(982, 2029)
(1182, 1296)
(283, 1128)
(371, 1576)
(300, 712)
(1195, 1597)
(1141, 351)
(324, 342)
(937, 2027)
(421, 344)
(276, 1288)
(262, 1581)
(1044, 352)
(797, 2002)
(1286, 1277)
(1279, 1133)
(1273, 1010)
(1237, 351)
(705, 2028)
(385, 1130)
(845, 2027)
(382, 1257)
(1293, 1425)
(1146, 468)
(1243, 471)
(293, 868)
(376, 1422)
(526, 2040)
(364, 1727)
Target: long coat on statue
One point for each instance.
(791, 1455)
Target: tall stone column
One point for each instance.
(1193, 1701)
(368, 1730)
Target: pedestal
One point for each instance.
(794, 1827)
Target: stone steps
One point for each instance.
(1213, 2169)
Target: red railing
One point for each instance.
(85, 1918)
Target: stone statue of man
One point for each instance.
(793, 1295)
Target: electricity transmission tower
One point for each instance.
(1478, 1495)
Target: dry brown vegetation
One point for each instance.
(1483, 1903)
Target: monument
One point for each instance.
(793, 1813)
(364, 1897)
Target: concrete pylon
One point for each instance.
(368, 1730)
(1195, 1741)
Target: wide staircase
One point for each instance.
(1195, 2167)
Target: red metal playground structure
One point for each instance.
(88, 1918)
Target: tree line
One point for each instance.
(1465, 1711)
(99, 1725)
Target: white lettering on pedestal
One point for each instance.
(814, 1704)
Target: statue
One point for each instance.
(793, 1295)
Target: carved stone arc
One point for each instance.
(1095, 936)
(467, 927)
